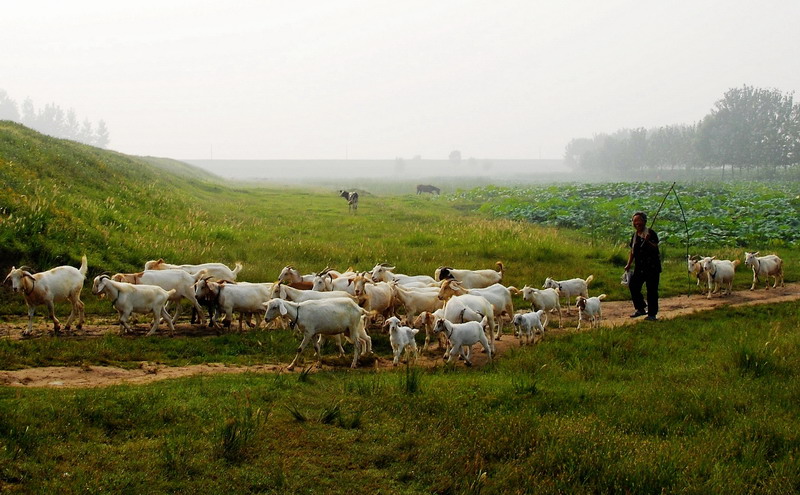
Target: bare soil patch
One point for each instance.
(615, 313)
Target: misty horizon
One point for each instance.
(414, 168)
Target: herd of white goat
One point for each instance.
(458, 308)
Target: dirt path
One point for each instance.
(615, 313)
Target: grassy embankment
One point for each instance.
(706, 404)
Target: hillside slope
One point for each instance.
(61, 198)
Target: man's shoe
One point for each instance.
(650, 318)
(638, 314)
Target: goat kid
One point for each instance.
(529, 325)
(590, 307)
(463, 335)
(401, 339)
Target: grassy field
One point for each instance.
(696, 405)
(703, 404)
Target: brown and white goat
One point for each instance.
(63, 283)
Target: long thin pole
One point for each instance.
(671, 189)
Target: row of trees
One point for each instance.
(748, 129)
(54, 121)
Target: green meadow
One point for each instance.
(700, 404)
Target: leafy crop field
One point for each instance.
(701, 404)
(747, 215)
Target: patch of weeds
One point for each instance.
(524, 385)
(176, 454)
(353, 422)
(330, 414)
(756, 362)
(305, 375)
(368, 385)
(237, 434)
(297, 414)
(411, 381)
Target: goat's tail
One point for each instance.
(84, 265)
(237, 268)
(500, 268)
(601, 296)
(736, 263)
(589, 279)
(513, 290)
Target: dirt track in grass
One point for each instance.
(615, 313)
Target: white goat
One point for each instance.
(546, 299)
(497, 294)
(216, 270)
(243, 297)
(326, 316)
(416, 300)
(529, 325)
(401, 338)
(63, 283)
(283, 291)
(288, 293)
(469, 307)
(569, 288)
(463, 335)
(590, 307)
(383, 273)
(764, 266)
(471, 279)
(376, 298)
(720, 274)
(167, 279)
(695, 267)
(128, 298)
(326, 282)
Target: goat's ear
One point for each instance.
(282, 308)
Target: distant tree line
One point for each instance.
(54, 121)
(749, 129)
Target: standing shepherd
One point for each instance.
(647, 267)
(352, 200)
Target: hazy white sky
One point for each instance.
(385, 79)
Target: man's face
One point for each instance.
(638, 223)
